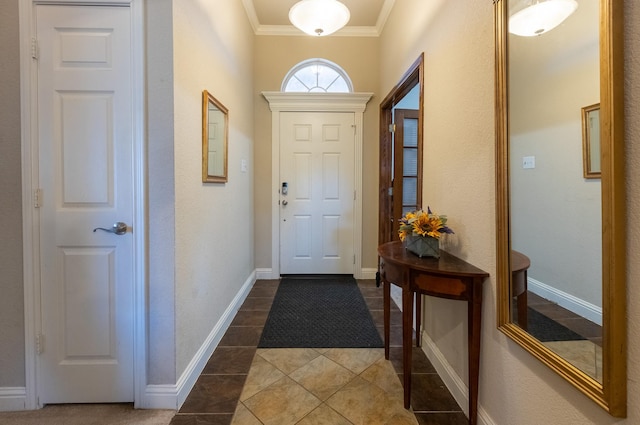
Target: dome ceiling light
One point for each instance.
(319, 17)
(541, 16)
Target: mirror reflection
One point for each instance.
(214, 139)
(591, 141)
(556, 220)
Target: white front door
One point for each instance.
(317, 211)
(85, 145)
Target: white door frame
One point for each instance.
(30, 218)
(315, 102)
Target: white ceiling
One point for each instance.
(271, 17)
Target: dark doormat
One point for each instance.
(545, 329)
(319, 313)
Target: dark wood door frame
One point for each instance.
(414, 76)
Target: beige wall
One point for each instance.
(160, 192)
(11, 293)
(274, 57)
(457, 39)
(200, 235)
(213, 50)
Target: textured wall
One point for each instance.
(161, 192)
(11, 282)
(457, 39)
(213, 50)
(275, 56)
(632, 140)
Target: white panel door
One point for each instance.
(85, 175)
(316, 213)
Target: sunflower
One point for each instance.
(426, 224)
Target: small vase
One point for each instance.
(423, 246)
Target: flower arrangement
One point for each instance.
(423, 223)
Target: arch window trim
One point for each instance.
(296, 77)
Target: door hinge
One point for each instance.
(354, 129)
(39, 343)
(390, 191)
(34, 48)
(392, 128)
(354, 258)
(37, 198)
(355, 196)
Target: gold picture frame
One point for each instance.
(591, 141)
(215, 135)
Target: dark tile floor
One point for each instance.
(215, 395)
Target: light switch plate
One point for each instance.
(528, 162)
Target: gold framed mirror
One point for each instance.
(215, 124)
(550, 260)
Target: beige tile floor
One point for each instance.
(242, 384)
(308, 386)
(585, 355)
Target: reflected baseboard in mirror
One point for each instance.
(570, 228)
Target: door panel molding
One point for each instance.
(30, 177)
(315, 102)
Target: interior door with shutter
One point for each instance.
(85, 148)
(407, 164)
(316, 212)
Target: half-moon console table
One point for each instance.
(444, 277)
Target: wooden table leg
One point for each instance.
(474, 318)
(523, 313)
(387, 315)
(407, 342)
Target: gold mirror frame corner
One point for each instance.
(611, 394)
(207, 98)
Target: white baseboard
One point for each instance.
(13, 398)
(455, 385)
(580, 307)
(173, 396)
(265, 274)
(368, 273)
(396, 296)
(160, 397)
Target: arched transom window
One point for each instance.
(317, 75)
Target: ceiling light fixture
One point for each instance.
(541, 16)
(319, 17)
